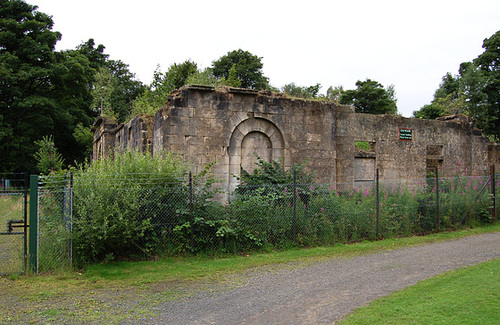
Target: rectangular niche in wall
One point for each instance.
(364, 163)
(434, 158)
(364, 171)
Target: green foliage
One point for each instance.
(45, 92)
(248, 69)
(430, 111)
(25, 63)
(218, 236)
(333, 94)
(487, 104)
(163, 84)
(115, 209)
(142, 207)
(155, 97)
(47, 156)
(362, 145)
(311, 92)
(178, 74)
(474, 91)
(448, 86)
(371, 97)
(85, 138)
(125, 89)
(267, 173)
(104, 86)
(204, 78)
(232, 79)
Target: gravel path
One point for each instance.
(324, 292)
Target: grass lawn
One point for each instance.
(465, 296)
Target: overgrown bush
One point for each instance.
(124, 206)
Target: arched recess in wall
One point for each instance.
(254, 135)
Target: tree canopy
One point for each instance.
(474, 91)
(371, 97)
(293, 90)
(28, 74)
(49, 93)
(247, 68)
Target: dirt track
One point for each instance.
(324, 292)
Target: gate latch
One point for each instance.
(11, 224)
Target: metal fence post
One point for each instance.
(378, 203)
(71, 221)
(191, 207)
(438, 217)
(25, 217)
(33, 229)
(493, 193)
(294, 205)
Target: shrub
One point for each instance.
(123, 206)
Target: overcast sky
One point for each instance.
(411, 45)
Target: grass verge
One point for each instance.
(118, 292)
(202, 267)
(465, 296)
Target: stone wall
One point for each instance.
(230, 125)
(110, 137)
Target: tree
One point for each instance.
(162, 85)
(489, 64)
(448, 86)
(472, 83)
(47, 156)
(125, 89)
(371, 97)
(45, 92)
(27, 67)
(104, 86)
(447, 100)
(232, 79)
(205, 78)
(333, 94)
(248, 68)
(178, 74)
(474, 91)
(293, 90)
(430, 111)
(155, 96)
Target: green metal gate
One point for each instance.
(13, 223)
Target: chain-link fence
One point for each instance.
(54, 241)
(496, 196)
(140, 218)
(13, 202)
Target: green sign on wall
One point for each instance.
(405, 134)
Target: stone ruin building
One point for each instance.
(230, 125)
